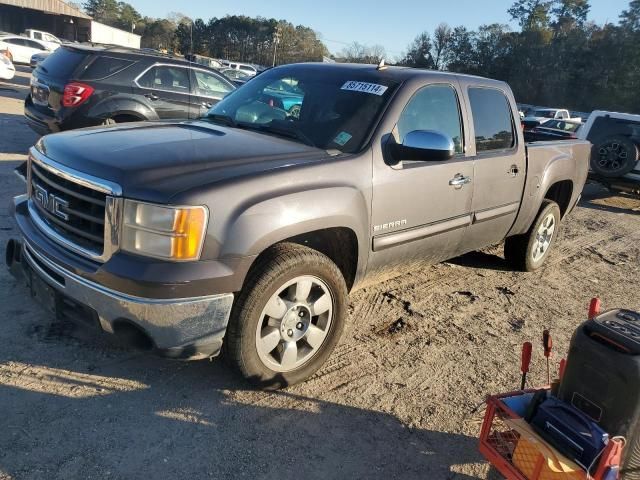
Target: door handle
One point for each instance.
(459, 181)
(151, 96)
(514, 171)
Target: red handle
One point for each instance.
(527, 349)
(547, 342)
(563, 367)
(594, 308)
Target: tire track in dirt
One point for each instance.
(353, 367)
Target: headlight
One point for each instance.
(172, 233)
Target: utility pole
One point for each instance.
(276, 41)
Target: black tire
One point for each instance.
(294, 111)
(614, 157)
(279, 265)
(519, 249)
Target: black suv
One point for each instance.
(82, 86)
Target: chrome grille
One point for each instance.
(82, 207)
(75, 210)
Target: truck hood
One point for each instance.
(154, 161)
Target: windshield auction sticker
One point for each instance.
(364, 87)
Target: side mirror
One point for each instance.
(425, 145)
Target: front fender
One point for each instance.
(273, 220)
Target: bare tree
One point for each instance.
(359, 53)
(442, 37)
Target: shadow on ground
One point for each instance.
(597, 197)
(135, 415)
(483, 260)
(16, 136)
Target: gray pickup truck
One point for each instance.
(252, 225)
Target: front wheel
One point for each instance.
(288, 318)
(529, 251)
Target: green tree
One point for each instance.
(532, 14)
(630, 18)
(570, 14)
(128, 16)
(104, 11)
(419, 53)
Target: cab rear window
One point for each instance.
(62, 63)
(492, 119)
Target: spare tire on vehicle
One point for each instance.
(614, 157)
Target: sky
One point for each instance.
(340, 22)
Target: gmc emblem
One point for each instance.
(50, 202)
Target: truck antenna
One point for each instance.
(381, 66)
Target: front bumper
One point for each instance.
(187, 327)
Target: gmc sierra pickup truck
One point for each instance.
(252, 225)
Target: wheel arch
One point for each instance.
(561, 192)
(339, 244)
(332, 221)
(129, 107)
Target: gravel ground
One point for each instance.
(397, 399)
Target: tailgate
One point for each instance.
(52, 74)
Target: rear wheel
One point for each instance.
(614, 157)
(529, 251)
(295, 111)
(289, 318)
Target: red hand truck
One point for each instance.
(505, 447)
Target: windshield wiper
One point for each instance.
(294, 133)
(221, 118)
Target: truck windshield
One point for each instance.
(332, 109)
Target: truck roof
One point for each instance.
(393, 72)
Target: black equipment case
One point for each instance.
(602, 379)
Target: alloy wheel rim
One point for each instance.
(544, 237)
(294, 324)
(611, 156)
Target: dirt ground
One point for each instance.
(397, 399)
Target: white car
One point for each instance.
(243, 67)
(20, 49)
(542, 114)
(51, 41)
(7, 70)
(616, 144)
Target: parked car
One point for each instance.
(79, 86)
(20, 49)
(536, 117)
(237, 77)
(553, 130)
(7, 70)
(51, 41)
(285, 95)
(583, 116)
(616, 144)
(249, 69)
(206, 61)
(251, 225)
(37, 58)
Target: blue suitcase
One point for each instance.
(570, 431)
